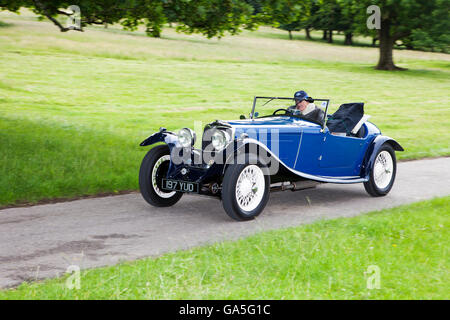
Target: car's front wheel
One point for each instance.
(154, 168)
(383, 171)
(245, 190)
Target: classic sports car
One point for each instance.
(241, 161)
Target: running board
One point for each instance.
(294, 186)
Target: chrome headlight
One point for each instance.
(186, 137)
(220, 139)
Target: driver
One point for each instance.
(305, 107)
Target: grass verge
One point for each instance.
(330, 259)
(41, 161)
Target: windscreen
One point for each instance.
(266, 106)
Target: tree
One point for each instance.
(308, 17)
(284, 14)
(130, 13)
(328, 18)
(411, 20)
(257, 6)
(211, 18)
(289, 27)
(346, 21)
(436, 35)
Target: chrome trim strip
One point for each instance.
(302, 174)
(298, 150)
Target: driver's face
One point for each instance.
(301, 105)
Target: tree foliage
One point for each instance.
(285, 14)
(422, 23)
(213, 17)
(209, 17)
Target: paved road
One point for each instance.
(42, 241)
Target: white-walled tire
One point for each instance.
(245, 190)
(382, 173)
(153, 169)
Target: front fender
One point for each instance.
(163, 135)
(372, 151)
(179, 157)
(238, 153)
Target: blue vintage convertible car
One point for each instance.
(241, 161)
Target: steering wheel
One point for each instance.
(286, 111)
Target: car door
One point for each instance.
(288, 142)
(309, 149)
(341, 155)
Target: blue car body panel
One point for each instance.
(306, 148)
(302, 147)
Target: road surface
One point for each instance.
(43, 241)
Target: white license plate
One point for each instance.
(178, 185)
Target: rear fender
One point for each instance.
(372, 151)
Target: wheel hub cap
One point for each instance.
(250, 188)
(383, 169)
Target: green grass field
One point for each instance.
(74, 106)
(330, 259)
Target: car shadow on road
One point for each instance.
(322, 195)
(210, 210)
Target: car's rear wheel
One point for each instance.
(153, 169)
(382, 173)
(245, 190)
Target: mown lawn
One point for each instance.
(74, 106)
(331, 259)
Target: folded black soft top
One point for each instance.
(346, 117)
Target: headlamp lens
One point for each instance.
(220, 139)
(186, 137)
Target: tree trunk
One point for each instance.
(325, 35)
(348, 39)
(308, 34)
(374, 41)
(386, 61)
(330, 36)
(154, 32)
(105, 25)
(290, 34)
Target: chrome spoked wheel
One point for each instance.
(159, 169)
(383, 169)
(154, 168)
(250, 188)
(245, 189)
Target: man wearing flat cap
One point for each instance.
(305, 108)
